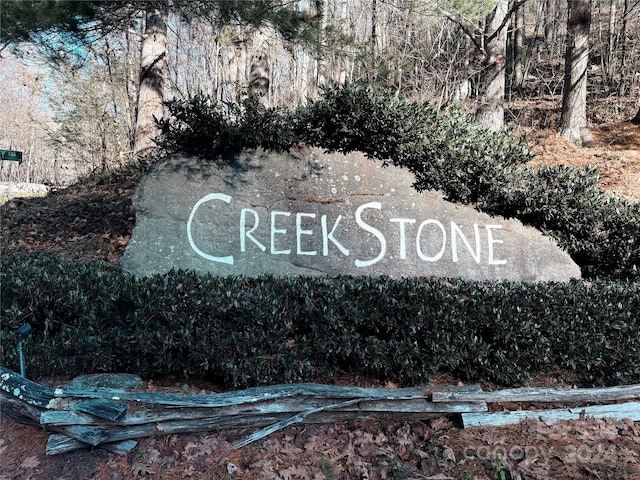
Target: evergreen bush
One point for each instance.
(254, 331)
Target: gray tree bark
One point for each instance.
(152, 76)
(321, 63)
(518, 47)
(573, 119)
(550, 20)
(259, 69)
(490, 112)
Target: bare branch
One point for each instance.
(466, 27)
(514, 6)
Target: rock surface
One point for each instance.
(316, 213)
(9, 190)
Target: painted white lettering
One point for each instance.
(207, 198)
(432, 237)
(244, 233)
(491, 241)
(438, 255)
(456, 232)
(300, 232)
(403, 236)
(275, 231)
(377, 233)
(326, 236)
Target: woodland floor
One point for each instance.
(94, 220)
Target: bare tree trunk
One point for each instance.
(374, 34)
(612, 44)
(152, 74)
(518, 47)
(573, 119)
(491, 109)
(321, 63)
(131, 94)
(550, 20)
(341, 74)
(259, 68)
(623, 38)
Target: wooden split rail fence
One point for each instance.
(114, 418)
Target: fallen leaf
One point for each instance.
(448, 455)
(405, 453)
(30, 462)
(189, 472)
(191, 451)
(363, 469)
(140, 469)
(166, 461)
(440, 423)
(10, 472)
(293, 473)
(210, 445)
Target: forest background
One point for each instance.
(75, 77)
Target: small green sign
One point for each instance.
(11, 155)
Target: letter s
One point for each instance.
(377, 233)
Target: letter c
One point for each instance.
(212, 196)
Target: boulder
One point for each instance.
(315, 213)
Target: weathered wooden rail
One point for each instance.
(101, 417)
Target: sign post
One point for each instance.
(11, 155)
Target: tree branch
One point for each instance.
(136, 33)
(514, 6)
(466, 27)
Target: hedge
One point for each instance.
(240, 332)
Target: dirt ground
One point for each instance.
(616, 156)
(581, 449)
(94, 220)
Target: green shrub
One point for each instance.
(200, 126)
(253, 331)
(446, 150)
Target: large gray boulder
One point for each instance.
(316, 213)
